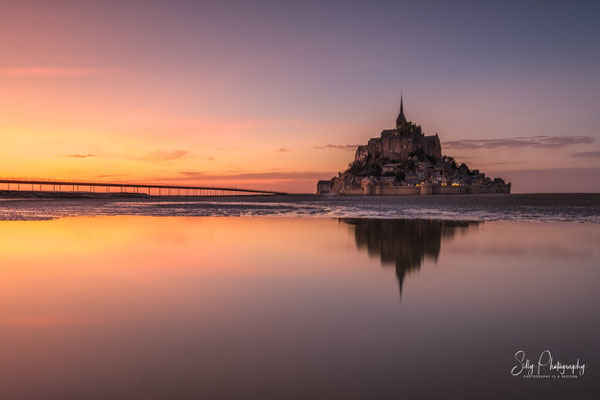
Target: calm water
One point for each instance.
(138, 307)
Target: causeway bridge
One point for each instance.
(144, 189)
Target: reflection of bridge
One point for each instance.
(147, 189)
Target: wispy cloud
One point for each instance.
(154, 156)
(162, 155)
(349, 147)
(283, 149)
(79, 155)
(267, 123)
(499, 163)
(46, 71)
(274, 175)
(52, 320)
(587, 154)
(542, 142)
(110, 175)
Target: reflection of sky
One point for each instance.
(176, 307)
(247, 93)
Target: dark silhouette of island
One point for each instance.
(403, 243)
(404, 161)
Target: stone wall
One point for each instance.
(490, 189)
(428, 189)
(353, 192)
(438, 189)
(396, 190)
(398, 147)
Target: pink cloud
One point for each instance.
(46, 320)
(162, 155)
(350, 147)
(79, 155)
(46, 71)
(540, 142)
(269, 175)
(587, 154)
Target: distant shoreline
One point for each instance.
(29, 195)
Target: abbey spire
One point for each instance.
(401, 120)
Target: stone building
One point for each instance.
(323, 187)
(399, 144)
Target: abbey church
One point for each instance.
(400, 143)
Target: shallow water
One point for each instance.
(537, 207)
(132, 307)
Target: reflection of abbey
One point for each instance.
(405, 161)
(404, 244)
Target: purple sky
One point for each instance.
(272, 93)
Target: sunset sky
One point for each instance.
(277, 94)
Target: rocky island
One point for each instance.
(405, 161)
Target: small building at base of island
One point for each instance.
(403, 161)
(324, 187)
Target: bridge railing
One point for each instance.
(181, 190)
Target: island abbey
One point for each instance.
(405, 161)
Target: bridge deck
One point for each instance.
(177, 190)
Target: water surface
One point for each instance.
(535, 207)
(132, 307)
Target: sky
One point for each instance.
(277, 94)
